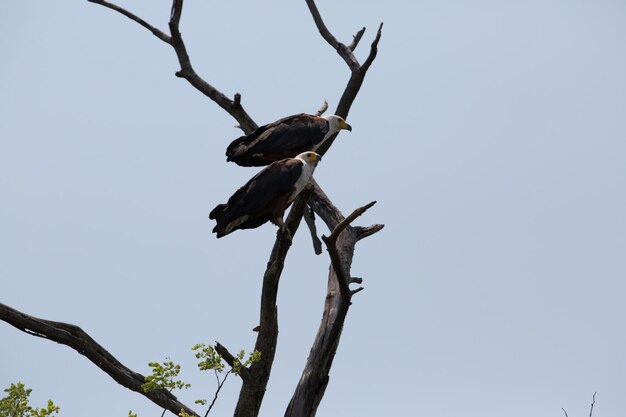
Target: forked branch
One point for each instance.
(347, 54)
(333, 251)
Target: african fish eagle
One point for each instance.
(266, 196)
(284, 138)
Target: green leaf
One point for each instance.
(163, 377)
(15, 404)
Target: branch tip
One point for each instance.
(363, 232)
(356, 39)
(352, 292)
(309, 219)
(322, 109)
(156, 32)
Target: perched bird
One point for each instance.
(284, 138)
(266, 196)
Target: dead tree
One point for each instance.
(340, 245)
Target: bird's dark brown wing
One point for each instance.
(258, 197)
(284, 138)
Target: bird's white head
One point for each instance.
(310, 158)
(336, 123)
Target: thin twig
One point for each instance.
(219, 387)
(156, 32)
(593, 401)
(564, 412)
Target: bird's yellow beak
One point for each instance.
(345, 125)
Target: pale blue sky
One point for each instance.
(491, 133)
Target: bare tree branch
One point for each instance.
(315, 376)
(373, 50)
(74, 337)
(333, 251)
(564, 412)
(232, 107)
(358, 71)
(345, 222)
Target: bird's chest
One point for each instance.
(304, 178)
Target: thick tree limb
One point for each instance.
(253, 389)
(74, 337)
(315, 376)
